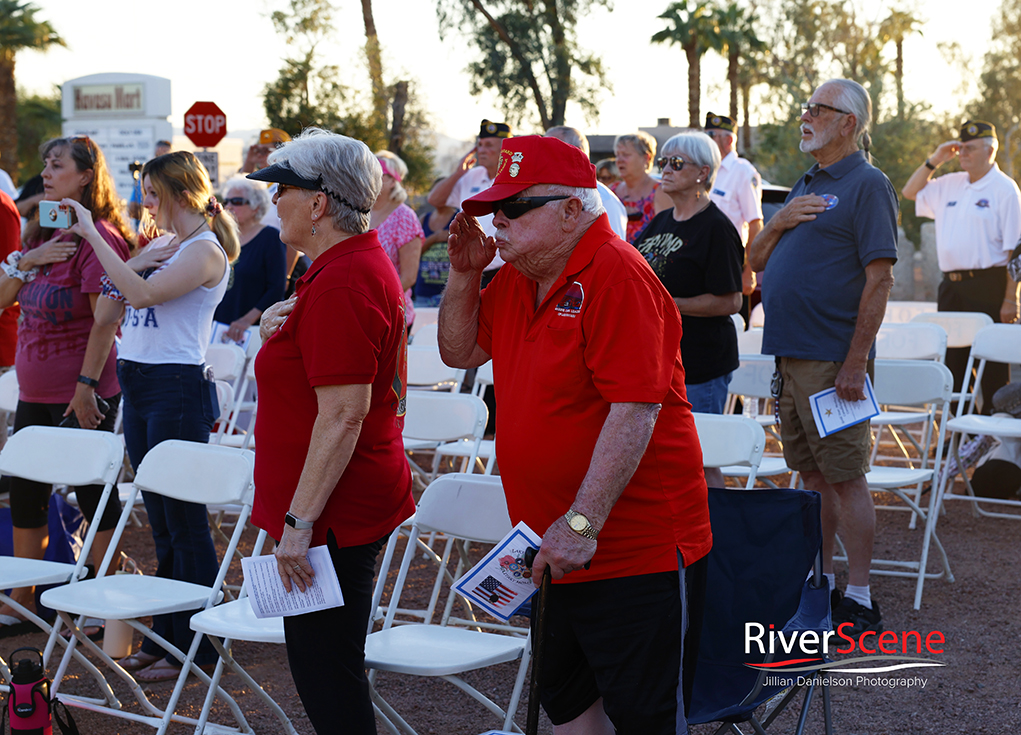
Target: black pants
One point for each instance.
(30, 501)
(983, 292)
(326, 649)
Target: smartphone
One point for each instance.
(55, 215)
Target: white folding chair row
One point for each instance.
(995, 343)
(466, 447)
(468, 508)
(961, 328)
(899, 312)
(752, 381)
(53, 455)
(186, 471)
(913, 383)
(731, 442)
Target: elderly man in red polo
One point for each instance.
(597, 446)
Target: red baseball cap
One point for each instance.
(531, 160)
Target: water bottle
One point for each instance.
(28, 705)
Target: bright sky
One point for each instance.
(226, 50)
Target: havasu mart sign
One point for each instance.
(112, 99)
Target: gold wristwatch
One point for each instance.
(580, 524)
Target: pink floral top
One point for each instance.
(396, 231)
(639, 211)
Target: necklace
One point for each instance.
(201, 225)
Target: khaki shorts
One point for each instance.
(839, 457)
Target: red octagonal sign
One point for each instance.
(205, 124)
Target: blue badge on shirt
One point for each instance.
(830, 199)
(952, 204)
(982, 204)
(719, 193)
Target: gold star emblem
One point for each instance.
(829, 412)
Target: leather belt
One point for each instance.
(958, 276)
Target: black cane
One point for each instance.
(539, 634)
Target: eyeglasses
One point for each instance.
(676, 163)
(813, 108)
(514, 208)
(238, 201)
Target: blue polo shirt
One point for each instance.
(816, 274)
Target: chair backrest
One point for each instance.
(757, 318)
(471, 507)
(198, 473)
(960, 326)
(739, 325)
(225, 398)
(999, 343)
(9, 391)
(483, 379)
(749, 342)
(911, 341)
(227, 361)
(53, 455)
(900, 312)
(912, 382)
(254, 342)
(444, 417)
(753, 376)
(427, 335)
(730, 440)
(426, 368)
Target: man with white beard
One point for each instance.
(828, 257)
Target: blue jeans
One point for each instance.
(172, 402)
(710, 396)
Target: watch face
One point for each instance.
(578, 523)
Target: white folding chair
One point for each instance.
(731, 441)
(53, 455)
(472, 509)
(436, 418)
(427, 371)
(226, 360)
(749, 342)
(910, 341)
(913, 383)
(961, 328)
(188, 471)
(996, 343)
(739, 325)
(899, 312)
(757, 317)
(466, 447)
(752, 381)
(426, 336)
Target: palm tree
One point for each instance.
(896, 28)
(19, 30)
(695, 28)
(737, 32)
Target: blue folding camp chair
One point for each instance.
(766, 544)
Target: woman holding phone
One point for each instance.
(65, 359)
(168, 318)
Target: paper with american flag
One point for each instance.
(499, 583)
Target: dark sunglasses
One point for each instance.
(514, 208)
(236, 201)
(675, 163)
(814, 108)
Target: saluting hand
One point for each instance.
(468, 246)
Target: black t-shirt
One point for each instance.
(698, 256)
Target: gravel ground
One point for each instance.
(978, 691)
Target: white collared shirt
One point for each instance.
(738, 192)
(474, 181)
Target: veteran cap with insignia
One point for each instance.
(489, 129)
(531, 160)
(718, 122)
(973, 129)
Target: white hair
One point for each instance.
(591, 202)
(351, 176)
(852, 97)
(700, 148)
(256, 192)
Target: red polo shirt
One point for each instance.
(607, 332)
(10, 240)
(347, 328)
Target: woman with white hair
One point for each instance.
(696, 252)
(400, 233)
(331, 376)
(260, 272)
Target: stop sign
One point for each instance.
(205, 124)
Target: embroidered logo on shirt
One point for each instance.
(831, 200)
(982, 204)
(570, 305)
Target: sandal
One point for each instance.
(93, 630)
(164, 670)
(138, 660)
(11, 626)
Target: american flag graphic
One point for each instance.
(491, 589)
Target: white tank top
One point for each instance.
(177, 331)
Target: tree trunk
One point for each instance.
(379, 95)
(526, 68)
(732, 78)
(746, 126)
(899, 77)
(8, 116)
(694, 84)
(560, 80)
(397, 131)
